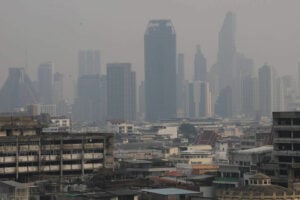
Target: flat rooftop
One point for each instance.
(169, 191)
(262, 149)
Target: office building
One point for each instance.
(248, 90)
(58, 84)
(286, 134)
(26, 152)
(200, 66)
(45, 82)
(199, 99)
(90, 104)
(180, 84)
(223, 105)
(141, 111)
(121, 92)
(89, 62)
(265, 90)
(160, 70)
(227, 51)
(17, 91)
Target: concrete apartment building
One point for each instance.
(286, 142)
(25, 151)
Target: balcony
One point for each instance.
(286, 140)
(286, 153)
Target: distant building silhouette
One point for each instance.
(58, 93)
(199, 99)
(248, 88)
(90, 105)
(141, 101)
(17, 91)
(89, 62)
(200, 66)
(160, 70)
(265, 90)
(45, 82)
(227, 50)
(223, 107)
(121, 92)
(180, 84)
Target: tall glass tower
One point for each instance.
(160, 70)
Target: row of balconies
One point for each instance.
(286, 153)
(34, 158)
(286, 127)
(25, 169)
(25, 148)
(286, 140)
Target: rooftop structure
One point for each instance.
(260, 187)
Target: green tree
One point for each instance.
(187, 129)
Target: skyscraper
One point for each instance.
(58, 94)
(160, 70)
(222, 74)
(199, 99)
(17, 91)
(227, 50)
(121, 92)
(200, 68)
(89, 106)
(45, 82)
(265, 90)
(248, 96)
(180, 84)
(89, 62)
(141, 101)
(223, 107)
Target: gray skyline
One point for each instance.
(34, 31)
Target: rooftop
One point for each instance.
(169, 191)
(262, 149)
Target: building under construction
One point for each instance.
(26, 152)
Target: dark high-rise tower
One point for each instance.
(200, 68)
(45, 82)
(180, 84)
(265, 90)
(121, 92)
(160, 70)
(90, 105)
(227, 50)
(89, 62)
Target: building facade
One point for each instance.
(89, 62)
(160, 70)
(121, 92)
(286, 134)
(25, 151)
(45, 82)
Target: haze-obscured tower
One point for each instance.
(90, 104)
(17, 91)
(141, 95)
(89, 62)
(121, 92)
(265, 90)
(160, 70)
(223, 105)
(180, 84)
(227, 51)
(58, 93)
(200, 66)
(199, 99)
(45, 82)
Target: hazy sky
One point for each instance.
(54, 30)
